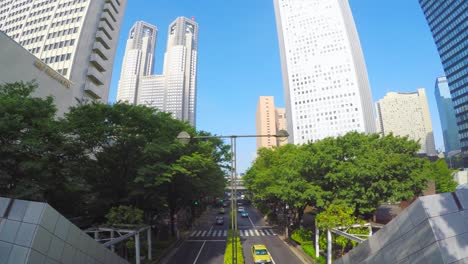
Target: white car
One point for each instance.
(240, 209)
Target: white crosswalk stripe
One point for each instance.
(242, 233)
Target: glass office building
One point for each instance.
(447, 116)
(448, 23)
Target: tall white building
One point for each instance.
(407, 114)
(77, 38)
(175, 90)
(325, 81)
(138, 60)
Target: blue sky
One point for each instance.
(238, 58)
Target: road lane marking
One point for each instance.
(246, 232)
(251, 222)
(256, 232)
(272, 260)
(266, 232)
(203, 234)
(273, 232)
(209, 232)
(260, 231)
(193, 233)
(198, 255)
(251, 233)
(198, 233)
(225, 233)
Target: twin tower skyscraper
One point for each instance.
(173, 91)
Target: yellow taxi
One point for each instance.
(260, 255)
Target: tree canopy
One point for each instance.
(100, 156)
(357, 170)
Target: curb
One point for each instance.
(297, 250)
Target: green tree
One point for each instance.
(442, 175)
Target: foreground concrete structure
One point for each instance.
(434, 229)
(33, 232)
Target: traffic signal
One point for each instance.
(196, 202)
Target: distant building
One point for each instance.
(407, 114)
(447, 117)
(138, 60)
(327, 91)
(270, 120)
(27, 67)
(175, 90)
(76, 38)
(448, 23)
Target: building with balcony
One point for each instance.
(76, 38)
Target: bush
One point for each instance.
(309, 249)
(228, 252)
(302, 235)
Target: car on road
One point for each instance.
(240, 209)
(244, 214)
(220, 220)
(261, 255)
(222, 210)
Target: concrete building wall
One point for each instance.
(27, 67)
(327, 92)
(434, 229)
(33, 233)
(407, 114)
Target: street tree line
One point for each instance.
(356, 172)
(98, 156)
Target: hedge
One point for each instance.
(228, 252)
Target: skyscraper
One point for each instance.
(77, 38)
(407, 114)
(324, 74)
(180, 69)
(447, 116)
(175, 90)
(270, 120)
(447, 21)
(138, 60)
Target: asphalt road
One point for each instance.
(207, 241)
(279, 252)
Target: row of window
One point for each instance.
(17, 12)
(35, 50)
(5, 4)
(462, 91)
(452, 22)
(21, 4)
(434, 10)
(63, 71)
(65, 22)
(451, 43)
(44, 3)
(40, 12)
(37, 20)
(69, 12)
(454, 10)
(63, 32)
(456, 67)
(446, 38)
(58, 58)
(15, 20)
(60, 44)
(14, 28)
(463, 46)
(31, 40)
(454, 77)
(4, 10)
(73, 2)
(33, 30)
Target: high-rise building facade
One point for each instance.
(175, 90)
(77, 38)
(180, 69)
(448, 120)
(407, 114)
(448, 23)
(325, 80)
(270, 120)
(138, 60)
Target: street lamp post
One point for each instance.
(185, 138)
